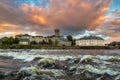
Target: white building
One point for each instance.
(24, 42)
(90, 41)
(37, 39)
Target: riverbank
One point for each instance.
(56, 47)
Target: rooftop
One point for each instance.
(91, 37)
(23, 35)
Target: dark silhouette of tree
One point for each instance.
(69, 38)
(73, 42)
(16, 41)
(43, 42)
(10, 41)
(33, 42)
(56, 42)
(50, 42)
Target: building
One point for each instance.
(55, 39)
(64, 42)
(37, 39)
(57, 32)
(90, 41)
(24, 42)
(23, 36)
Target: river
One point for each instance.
(19, 64)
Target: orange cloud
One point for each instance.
(98, 22)
(69, 14)
(116, 22)
(39, 20)
(8, 25)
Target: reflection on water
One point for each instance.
(60, 64)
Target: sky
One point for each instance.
(72, 17)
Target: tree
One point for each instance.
(69, 38)
(50, 42)
(73, 42)
(5, 40)
(10, 40)
(43, 42)
(56, 42)
(33, 42)
(16, 41)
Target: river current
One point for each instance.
(19, 64)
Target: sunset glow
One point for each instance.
(73, 17)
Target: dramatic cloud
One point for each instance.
(71, 16)
(116, 22)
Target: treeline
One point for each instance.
(9, 41)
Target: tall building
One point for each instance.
(90, 41)
(57, 32)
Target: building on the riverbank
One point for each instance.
(56, 39)
(64, 42)
(23, 36)
(37, 39)
(90, 41)
(24, 42)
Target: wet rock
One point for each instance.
(46, 63)
(2, 76)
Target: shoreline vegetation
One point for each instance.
(13, 43)
(55, 47)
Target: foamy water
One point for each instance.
(67, 64)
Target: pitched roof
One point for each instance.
(91, 37)
(23, 35)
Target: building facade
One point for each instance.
(56, 39)
(64, 42)
(90, 41)
(24, 42)
(37, 39)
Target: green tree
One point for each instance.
(33, 42)
(50, 42)
(43, 42)
(69, 38)
(73, 42)
(4, 40)
(16, 41)
(10, 40)
(56, 42)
